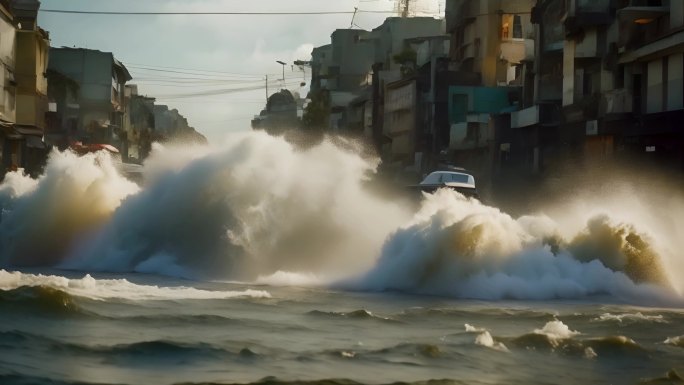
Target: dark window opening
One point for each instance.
(517, 27)
(587, 84)
(620, 76)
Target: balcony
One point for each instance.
(524, 118)
(617, 101)
(586, 13)
(516, 51)
(584, 108)
(642, 11)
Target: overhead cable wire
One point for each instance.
(215, 92)
(196, 73)
(159, 67)
(214, 13)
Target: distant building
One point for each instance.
(101, 80)
(280, 113)
(321, 61)
(397, 128)
(170, 125)
(139, 125)
(346, 67)
(389, 39)
(492, 51)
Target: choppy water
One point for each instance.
(149, 330)
(259, 262)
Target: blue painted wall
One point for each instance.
(477, 100)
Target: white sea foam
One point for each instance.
(251, 207)
(258, 208)
(557, 330)
(459, 247)
(472, 329)
(675, 341)
(486, 339)
(42, 218)
(286, 278)
(99, 289)
(631, 317)
(590, 353)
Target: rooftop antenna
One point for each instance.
(351, 25)
(403, 8)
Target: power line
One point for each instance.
(187, 72)
(152, 67)
(216, 92)
(122, 13)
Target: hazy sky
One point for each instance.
(241, 49)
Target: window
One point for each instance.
(620, 76)
(511, 27)
(517, 27)
(587, 84)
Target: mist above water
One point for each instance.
(258, 209)
(254, 206)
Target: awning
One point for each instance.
(28, 130)
(667, 45)
(35, 142)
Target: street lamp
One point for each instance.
(283, 64)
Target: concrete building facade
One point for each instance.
(101, 79)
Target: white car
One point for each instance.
(459, 181)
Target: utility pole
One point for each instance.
(266, 89)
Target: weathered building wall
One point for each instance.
(7, 59)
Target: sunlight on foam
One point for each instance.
(486, 339)
(286, 278)
(459, 247)
(675, 341)
(630, 317)
(99, 289)
(260, 208)
(473, 329)
(250, 207)
(556, 330)
(41, 219)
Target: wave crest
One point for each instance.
(460, 247)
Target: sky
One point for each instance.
(175, 57)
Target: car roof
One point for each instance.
(433, 178)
